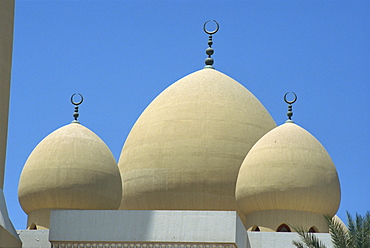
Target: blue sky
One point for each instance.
(121, 54)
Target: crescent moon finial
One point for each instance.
(211, 32)
(76, 114)
(290, 107)
(209, 51)
(290, 102)
(77, 103)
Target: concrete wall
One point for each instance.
(6, 45)
(154, 229)
(8, 236)
(34, 238)
(280, 239)
(222, 227)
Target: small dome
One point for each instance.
(72, 168)
(185, 150)
(288, 169)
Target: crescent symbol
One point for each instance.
(290, 102)
(77, 103)
(211, 32)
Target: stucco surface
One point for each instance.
(8, 236)
(147, 226)
(185, 150)
(270, 220)
(71, 168)
(288, 169)
(280, 240)
(6, 48)
(34, 238)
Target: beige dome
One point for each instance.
(71, 168)
(288, 169)
(185, 150)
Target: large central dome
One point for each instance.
(185, 150)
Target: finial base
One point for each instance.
(289, 121)
(209, 67)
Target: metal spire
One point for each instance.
(76, 114)
(209, 51)
(290, 107)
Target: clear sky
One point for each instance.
(121, 54)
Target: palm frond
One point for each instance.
(298, 244)
(359, 235)
(351, 229)
(309, 239)
(366, 227)
(359, 230)
(339, 235)
(356, 235)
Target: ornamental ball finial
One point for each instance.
(209, 51)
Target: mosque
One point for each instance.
(204, 166)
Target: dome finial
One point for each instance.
(209, 51)
(290, 107)
(76, 114)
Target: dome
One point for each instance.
(72, 168)
(288, 169)
(185, 150)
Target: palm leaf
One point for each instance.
(359, 230)
(366, 227)
(298, 244)
(309, 239)
(351, 230)
(339, 235)
(356, 235)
